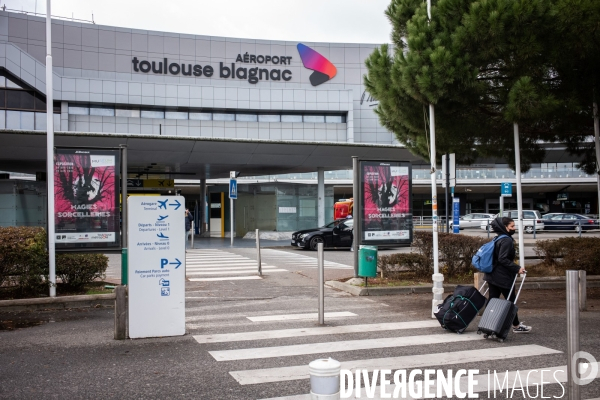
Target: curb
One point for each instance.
(554, 282)
(382, 291)
(59, 303)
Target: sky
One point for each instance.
(343, 21)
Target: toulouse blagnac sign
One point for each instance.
(261, 67)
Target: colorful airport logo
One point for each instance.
(324, 69)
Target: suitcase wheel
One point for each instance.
(486, 336)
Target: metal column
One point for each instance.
(321, 271)
(519, 195)
(320, 197)
(357, 234)
(124, 244)
(202, 211)
(572, 334)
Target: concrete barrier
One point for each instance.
(59, 303)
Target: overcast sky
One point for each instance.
(346, 21)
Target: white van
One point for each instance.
(531, 219)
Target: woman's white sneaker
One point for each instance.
(522, 328)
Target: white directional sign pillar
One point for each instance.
(156, 227)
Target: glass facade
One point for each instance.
(539, 171)
(282, 207)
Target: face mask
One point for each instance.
(511, 232)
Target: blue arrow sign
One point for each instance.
(176, 205)
(233, 192)
(165, 261)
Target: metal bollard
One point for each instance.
(534, 230)
(580, 228)
(582, 291)
(192, 236)
(321, 272)
(258, 253)
(488, 229)
(121, 312)
(572, 333)
(325, 379)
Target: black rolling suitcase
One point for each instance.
(497, 318)
(460, 308)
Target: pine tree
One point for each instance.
(485, 65)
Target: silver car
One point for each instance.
(473, 220)
(532, 220)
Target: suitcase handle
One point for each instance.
(481, 288)
(520, 287)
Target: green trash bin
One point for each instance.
(367, 261)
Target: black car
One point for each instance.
(565, 222)
(336, 234)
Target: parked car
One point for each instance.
(576, 222)
(550, 215)
(335, 234)
(531, 219)
(473, 220)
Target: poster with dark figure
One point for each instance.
(86, 198)
(386, 202)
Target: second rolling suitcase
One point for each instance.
(498, 315)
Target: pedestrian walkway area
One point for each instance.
(298, 260)
(263, 350)
(218, 265)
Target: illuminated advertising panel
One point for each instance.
(86, 198)
(386, 202)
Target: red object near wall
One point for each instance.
(342, 209)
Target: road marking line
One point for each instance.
(344, 345)
(233, 272)
(228, 268)
(267, 375)
(295, 317)
(237, 260)
(234, 263)
(531, 377)
(229, 278)
(301, 332)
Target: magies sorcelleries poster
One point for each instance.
(386, 202)
(86, 197)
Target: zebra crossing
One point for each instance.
(270, 356)
(217, 265)
(299, 260)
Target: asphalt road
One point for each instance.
(72, 354)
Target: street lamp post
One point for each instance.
(50, 153)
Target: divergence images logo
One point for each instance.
(324, 69)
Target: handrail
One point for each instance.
(53, 16)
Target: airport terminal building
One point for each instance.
(287, 115)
